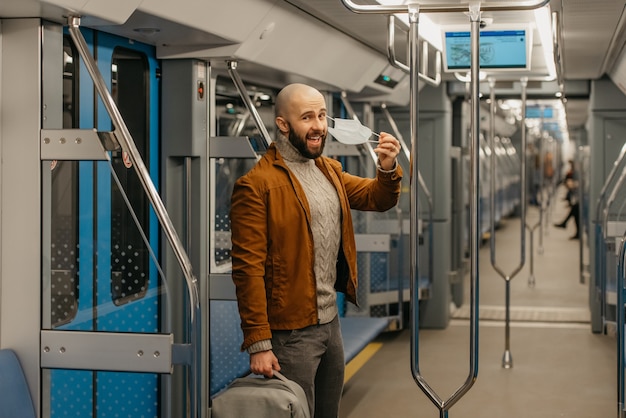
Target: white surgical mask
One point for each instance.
(350, 131)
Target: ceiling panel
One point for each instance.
(587, 28)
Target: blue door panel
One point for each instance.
(104, 394)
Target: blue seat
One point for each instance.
(358, 332)
(227, 361)
(15, 400)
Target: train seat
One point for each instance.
(15, 400)
(358, 332)
(228, 362)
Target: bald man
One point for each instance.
(293, 247)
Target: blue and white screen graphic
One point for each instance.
(502, 49)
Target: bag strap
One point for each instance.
(280, 376)
(299, 392)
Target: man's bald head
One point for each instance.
(294, 94)
(301, 117)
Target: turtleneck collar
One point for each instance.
(288, 151)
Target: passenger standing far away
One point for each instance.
(293, 247)
(571, 183)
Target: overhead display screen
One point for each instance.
(499, 50)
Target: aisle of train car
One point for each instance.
(560, 367)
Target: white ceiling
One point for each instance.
(591, 37)
(592, 34)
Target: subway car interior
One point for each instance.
(494, 288)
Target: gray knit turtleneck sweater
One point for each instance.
(325, 226)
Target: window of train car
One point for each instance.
(233, 117)
(234, 120)
(64, 208)
(129, 255)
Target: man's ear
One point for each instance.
(282, 125)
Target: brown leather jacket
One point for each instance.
(272, 242)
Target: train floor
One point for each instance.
(560, 367)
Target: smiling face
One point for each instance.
(301, 117)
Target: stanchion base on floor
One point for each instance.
(507, 360)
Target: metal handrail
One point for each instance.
(621, 288)
(507, 359)
(441, 8)
(368, 146)
(601, 221)
(243, 93)
(539, 223)
(542, 174)
(609, 201)
(601, 198)
(604, 279)
(413, 11)
(126, 141)
(582, 267)
(391, 55)
(425, 190)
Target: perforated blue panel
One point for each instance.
(227, 361)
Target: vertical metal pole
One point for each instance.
(542, 203)
(474, 178)
(531, 228)
(414, 203)
(620, 329)
(188, 192)
(581, 187)
(524, 172)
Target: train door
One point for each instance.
(103, 237)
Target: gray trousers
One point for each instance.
(313, 357)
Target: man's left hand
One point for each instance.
(388, 149)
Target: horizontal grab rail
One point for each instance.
(442, 8)
(391, 55)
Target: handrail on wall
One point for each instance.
(368, 146)
(243, 93)
(413, 11)
(443, 8)
(423, 73)
(601, 215)
(128, 144)
(431, 207)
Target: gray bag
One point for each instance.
(258, 397)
